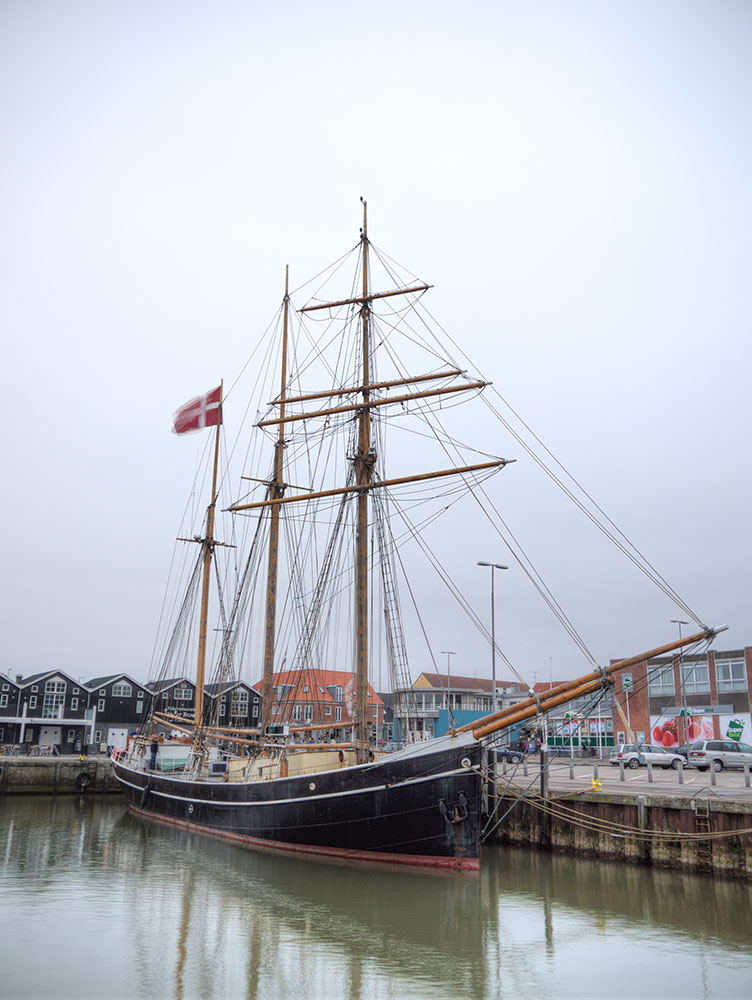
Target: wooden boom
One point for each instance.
(374, 485)
(570, 690)
(386, 401)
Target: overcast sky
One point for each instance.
(572, 177)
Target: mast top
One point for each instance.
(364, 230)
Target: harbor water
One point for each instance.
(97, 903)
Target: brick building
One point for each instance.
(321, 697)
(673, 700)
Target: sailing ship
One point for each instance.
(320, 787)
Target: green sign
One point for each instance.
(735, 730)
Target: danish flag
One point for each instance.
(203, 411)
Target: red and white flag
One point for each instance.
(203, 411)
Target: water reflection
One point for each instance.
(154, 911)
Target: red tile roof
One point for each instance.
(318, 682)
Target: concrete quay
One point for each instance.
(687, 820)
(63, 775)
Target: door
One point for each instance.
(50, 735)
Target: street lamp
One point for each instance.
(448, 653)
(493, 566)
(682, 691)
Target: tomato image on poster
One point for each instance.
(666, 730)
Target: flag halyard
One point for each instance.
(203, 411)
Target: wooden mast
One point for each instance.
(276, 491)
(364, 463)
(208, 546)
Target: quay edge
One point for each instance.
(729, 856)
(56, 776)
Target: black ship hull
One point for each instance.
(419, 810)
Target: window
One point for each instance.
(54, 697)
(139, 707)
(182, 694)
(140, 694)
(100, 705)
(103, 692)
(376, 713)
(338, 714)
(240, 702)
(305, 690)
(308, 713)
(296, 713)
(222, 709)
(695, 678)
(98, 736)
(6, 687)
(122, 690)
(255, 710)
(3, 700)
(328, 710)
(274, 709)
(661, 679)
(71, 735)
(35, 687)
(74, 704)
(731, 675)
(75, 690)
(33, 701)
(337, 694)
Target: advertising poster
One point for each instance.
(736, 727)
(665, 730)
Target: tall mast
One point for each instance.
(276, 491)
(208, 545)
(364, 463)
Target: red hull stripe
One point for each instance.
(327, 853)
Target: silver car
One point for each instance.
(719, 754)
(635, 755)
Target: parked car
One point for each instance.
(506, 753)
(636, 755)
(719, 754)
(683, 750)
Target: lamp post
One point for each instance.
(493, 566)
(682, 692)
(448, 653)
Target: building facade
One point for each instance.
(321, 698)
(118, 704)
(45, 709)
(234, 704)
(441, 701)
(674, 700)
